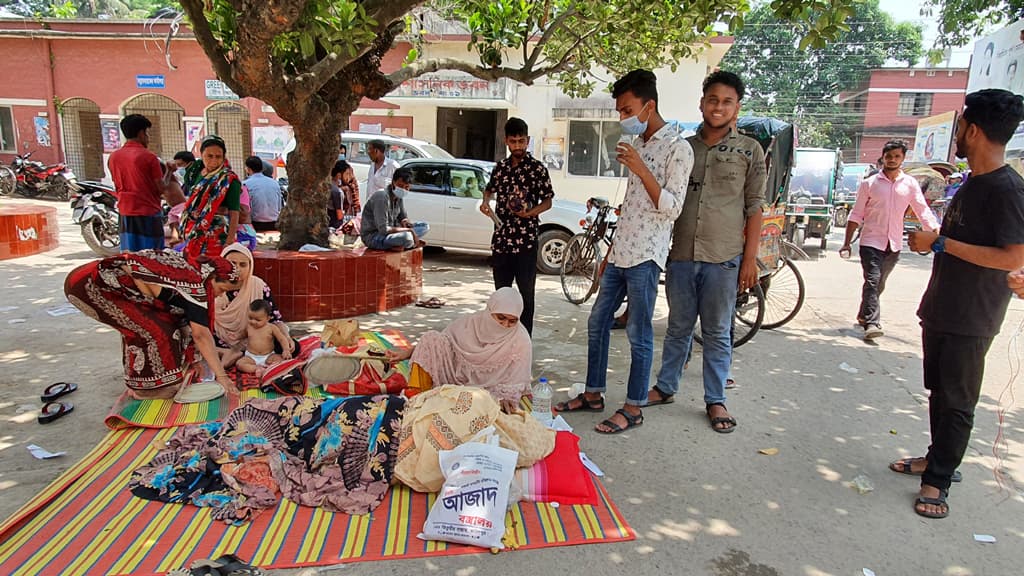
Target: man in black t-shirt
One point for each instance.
(522, 190)
(981, 239)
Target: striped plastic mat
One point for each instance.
(130, 412)
(87, 522)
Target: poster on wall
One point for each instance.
(193, 134)
(934, 138)
(399, 132)
(998, 61)
(111, 135)
(371, 128)
(42, 130)
(269, 141)
(554, 154)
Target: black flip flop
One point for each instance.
(905, 466)
(631, 422)
(231, 565)
(57, 389)
(53, 410)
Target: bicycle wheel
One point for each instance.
(750, 308)
(793, 252)
(580, 262)
(784, 294)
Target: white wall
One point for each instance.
(679, 96)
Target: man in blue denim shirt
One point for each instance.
(714, 247)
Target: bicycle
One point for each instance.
(746, 321)
(584, 258)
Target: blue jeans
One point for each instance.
(404, 239)
(640, 283)
(707, 289)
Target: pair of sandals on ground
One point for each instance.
(718, 414)
(927, 506)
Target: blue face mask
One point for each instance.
(399, 192)
(632, 125)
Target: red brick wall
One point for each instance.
(104, 71)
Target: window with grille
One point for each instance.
(8, 139)
(914, 104)
(592, 148)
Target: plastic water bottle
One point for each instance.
(542, 401)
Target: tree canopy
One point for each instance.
(88, 8)
(803, 86)
(962, 21)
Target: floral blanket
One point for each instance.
(338, 454)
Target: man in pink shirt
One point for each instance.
(882, 200)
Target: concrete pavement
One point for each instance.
(701, 502)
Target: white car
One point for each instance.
(446, 193)
(358, 144)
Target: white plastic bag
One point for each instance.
(470, 509)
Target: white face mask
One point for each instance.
(399, 192)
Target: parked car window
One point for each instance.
(400, 152)
(358, 152)
(428, 179)
(468, 182)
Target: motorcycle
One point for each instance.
(94, 208)
(36, 179)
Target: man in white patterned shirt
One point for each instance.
(659, 169)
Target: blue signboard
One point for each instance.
(149, 81)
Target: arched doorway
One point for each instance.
(167, 136)
(230, 121)
(83, 142)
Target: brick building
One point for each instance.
(892, 101)
(67, 82)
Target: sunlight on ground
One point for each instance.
(828, 473)
(812, 571)
(957, 571)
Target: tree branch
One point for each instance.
(524, 75)
(387, 11)
(213, 49)
(331, 65)
(552, 28)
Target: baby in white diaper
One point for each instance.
(261, 334)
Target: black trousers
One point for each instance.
(521, 268)
(877, 265)
(264, 226)
(954, 366)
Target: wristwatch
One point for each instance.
(939, 245)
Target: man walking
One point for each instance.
(522, 190)
(264, 195)
(965, 302)
(882, 200)
(141, 181)
(381, 167)
(715, 242)
(385, 225)
(659, 165)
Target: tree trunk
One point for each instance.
(304, 218)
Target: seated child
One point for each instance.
(260, 336)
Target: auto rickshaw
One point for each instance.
(809, 213)
(932, 178)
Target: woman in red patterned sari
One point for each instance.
(210, 220)
(163, 307)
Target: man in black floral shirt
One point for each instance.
(522, 190)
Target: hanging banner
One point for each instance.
(42, 126)
(270, 140)
(193, 134)
(554, 153)
(111, 135)
(998, 61)
(934, 138)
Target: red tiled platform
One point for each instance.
(27, 230)
(340, 284)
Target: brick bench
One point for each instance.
(340, 283)
(27, 229)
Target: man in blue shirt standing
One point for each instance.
(264, 195)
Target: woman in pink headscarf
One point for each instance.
(489, 349)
